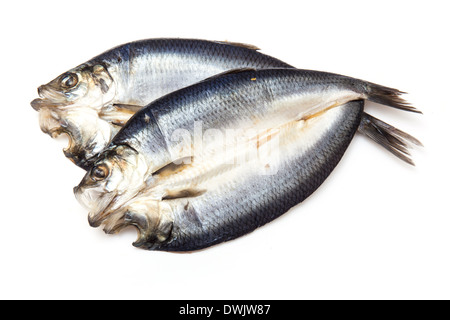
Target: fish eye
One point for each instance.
(69, 80)
(99, 172)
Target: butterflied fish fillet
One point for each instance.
(313, 116)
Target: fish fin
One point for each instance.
(239, 44)
(392, 139)
(183, 193)
(173, 167)
(118, 114)
(131, 108)
(389, 97)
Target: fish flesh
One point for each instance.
(143, 179)
(91, 102)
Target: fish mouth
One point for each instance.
(52, 123)
(112, 213)
(149, 232)
(39, 103)
(117, 221)
(96, 220)
(100, 204)
(113, 221)
(48, 98)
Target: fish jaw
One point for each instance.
(49, 97)
(102, 202)
(39, 103)
(152, 218)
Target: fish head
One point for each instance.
(70, 104)
(84, 85)
(116, 177)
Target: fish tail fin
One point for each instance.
(392, 139)
(389, 97)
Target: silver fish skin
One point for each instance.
(91, 102)
(259, 100)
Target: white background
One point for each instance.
(376, 229)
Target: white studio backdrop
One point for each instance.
(376, 229)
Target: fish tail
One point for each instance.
(389, 97)
(392, 139)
